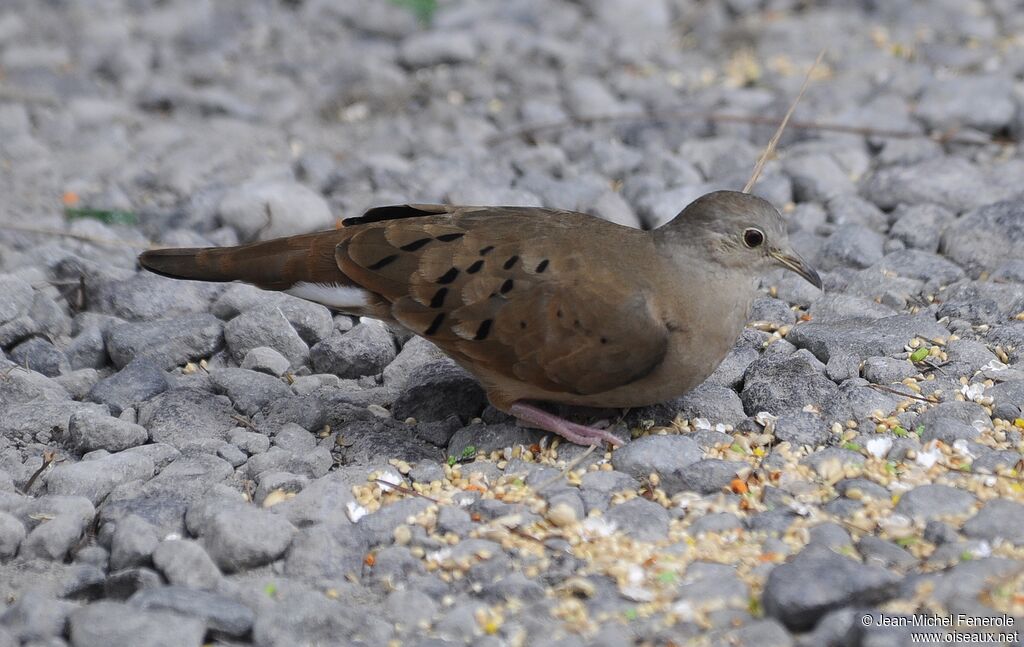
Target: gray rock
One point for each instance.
(17, 300)
(780, 384)
(147, 297)
(307, 617)
(817, 581)
(817, 177)
(133, 543)
(880, 552)
(78, 383)
(850, 209)
(220, 613)
(240, 537)
(706, 476)
(667, 456)
(982, 102)
(488, 438)
(950, 181)
(437, 47)
(266, 360)
(863, 338)
(640, 519)
(185, 563)
(456, 520)
(311, 320)
(167, 342)
(920, 226)
(88, 349)
(426, 471)
(983, 237)
(35, 618)
(249, 391)
(364, 350)
(949, 431)
(931, 501)
(139, 381)
(41, 356)
(887, 370)
(998, 519)
(802, 428)
(437, 390)
(12, 532)
(89, 431)
(715, 522)
(107, 623)
(265, 210)
(54, 539)
(334, 550)
(718, 404)
(409, 608)
(265, 326)
(249, 442)
(180, 416)
(851, 246)
(94, 479)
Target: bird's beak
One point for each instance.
(792, 261)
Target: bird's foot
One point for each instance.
(579, 434)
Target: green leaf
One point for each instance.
(966, 556)
(424, 10)
(630, 614)
(270, 589)
(736, 447)
(667, 577)
(754, 607)
(899, 431)
(852, 446)
(919, 430)
(108, 216)
(451, 461)
(469, 452)
(919, 354)
(906, 541)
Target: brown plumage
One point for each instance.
(539, 304)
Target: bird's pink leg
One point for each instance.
(579, 434)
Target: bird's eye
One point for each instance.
(753, 237)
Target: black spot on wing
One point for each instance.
(438, 299)
(475, 267)
(416, 244)
(543, 265)
(507, 286)
(435, 325)
(448, 276)
(486, 250)
(384, 262)
(483, 330)
(447, 238)
(510, 263)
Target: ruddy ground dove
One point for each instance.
(541, 305)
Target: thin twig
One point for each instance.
(774, 141)
(48, 458)
(568, 468)
(948, 137)
(912, 396)
(82, 237)
(404, 490)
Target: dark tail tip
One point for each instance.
(182, 263)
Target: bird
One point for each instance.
(543, 306)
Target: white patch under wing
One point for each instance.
(332, 295)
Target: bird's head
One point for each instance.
(739, 231)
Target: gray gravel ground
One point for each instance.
(184, 463)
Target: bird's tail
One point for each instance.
(274, 264)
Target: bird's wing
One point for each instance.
(535, 295)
